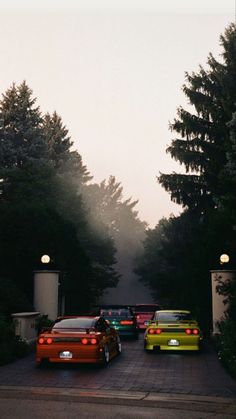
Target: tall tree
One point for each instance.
(41, 208)
(184, 249)
(204, 134)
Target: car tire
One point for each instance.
(118, 346)
(106, 355)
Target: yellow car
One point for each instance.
(172, 330)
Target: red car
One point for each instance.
(78, 340)
(144, 313)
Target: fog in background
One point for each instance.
(113, 71)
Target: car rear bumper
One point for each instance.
(183, 343)
(90, 354)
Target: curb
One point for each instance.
(224, 405)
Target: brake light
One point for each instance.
(49, 341)
(154, 331)
(41, 341)
(84, 341)
(94, 341)
(126, 322)
(192, 331)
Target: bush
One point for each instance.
(226, 345)
(43, 322)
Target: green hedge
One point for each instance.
(225, 343)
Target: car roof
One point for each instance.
(173, 311)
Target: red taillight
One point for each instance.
(195, 331)
(154, 331)
(188, 331)
(126, 322)
(41, 341)
(94, 341)
(84, 341)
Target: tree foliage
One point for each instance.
(41, 207)
(180, 252)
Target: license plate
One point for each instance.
(66, 355)
(173, 342)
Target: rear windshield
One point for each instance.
(172, 317)
(146, 309)
(79, 323)
(124, 312)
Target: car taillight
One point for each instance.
(126, 322)
(154, 331)
(192, 331)
(84, 341)
(48, 341)
(94, 341)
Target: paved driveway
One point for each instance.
(135, 370)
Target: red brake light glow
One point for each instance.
(84, 341)
(49, 341)
(195, 331)
(151, 331)
(126, 322)
(41, 341)
(188, 331)
(158, 331)
(94, 341)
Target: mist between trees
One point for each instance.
(50, 205)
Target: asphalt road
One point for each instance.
(134, 383)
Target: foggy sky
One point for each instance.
(113, 70)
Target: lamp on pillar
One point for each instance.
(46, 282)
(224, 258)
(45, 259)
(220, 276)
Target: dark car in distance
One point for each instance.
(144, 313)
(121, 318)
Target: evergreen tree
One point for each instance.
(204, 134)
(41, 208)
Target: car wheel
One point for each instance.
(106, 355)
(118, 346)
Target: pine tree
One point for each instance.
(204, 136)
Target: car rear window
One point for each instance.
(172, 317)
(115, 312)
(78, 323)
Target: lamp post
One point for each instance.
(46, 282)
(220, 276)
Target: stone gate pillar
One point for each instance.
(46, 284)
(218, 306)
